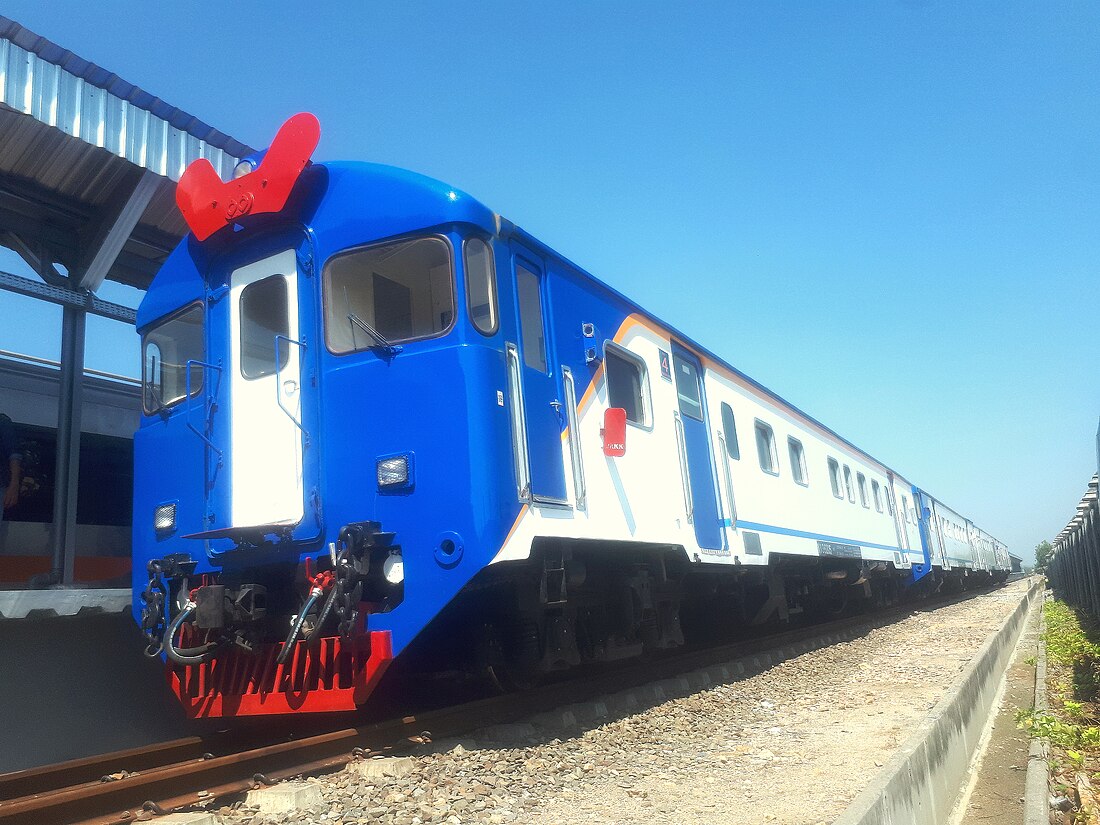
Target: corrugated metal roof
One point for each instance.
(73, 137)
(85, 176)
(1088, 502)
(60, 89)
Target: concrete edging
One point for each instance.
(920, 784)
(54, 602)
(1037, 782)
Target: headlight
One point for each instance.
(394, 471)
(164, 518)
(393, 568)
(243, 168)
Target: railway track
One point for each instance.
(128, 786)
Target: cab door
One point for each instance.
(536, 405)
(264, 375)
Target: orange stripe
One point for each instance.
(515, 524)
(635, 319)
(627, 325)
(85, 568)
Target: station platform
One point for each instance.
(79, 685)
(54, 602)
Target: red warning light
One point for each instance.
(208, 203)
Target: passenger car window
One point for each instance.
(861, 482)
(403, 290)
(798, 461)
(834, 477)
(876, 495)
(165, 352)
(765, 448)
(729, 428)
(481, 286)
(626, 384)
(848, 484)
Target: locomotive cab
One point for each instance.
(323, 395)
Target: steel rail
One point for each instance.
(93, 768)
(160, 785)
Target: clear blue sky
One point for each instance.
(888, 212)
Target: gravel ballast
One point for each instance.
(792, 744)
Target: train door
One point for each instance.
(937, 527)
(264, 376)
(925, 519)
(536, 405)
(899, 516)
(693, 434)
(973, 544)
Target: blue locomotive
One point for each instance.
(377, 413)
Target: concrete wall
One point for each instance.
(920, 784)
(77, 686)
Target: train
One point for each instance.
(102, 551)
(383, 423)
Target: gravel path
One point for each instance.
(791, 745)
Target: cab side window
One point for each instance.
(481, 285)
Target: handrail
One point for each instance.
(279, 383)
(519, 424)
(206, 414)
(685, 472)
(728, 478)
(574, 437)
(899, 527)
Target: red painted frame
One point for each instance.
(252, 684)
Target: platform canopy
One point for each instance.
(88, 165)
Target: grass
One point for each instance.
(1072, 722)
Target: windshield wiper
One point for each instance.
(381, 342)
(161, 407)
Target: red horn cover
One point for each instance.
(208, 204)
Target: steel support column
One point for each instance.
(67, 465)
(117, 220)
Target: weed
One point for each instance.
(1066, 735)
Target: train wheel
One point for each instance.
(489, 663)
(826, 605)
(492, 662)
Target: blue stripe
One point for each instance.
(783, 531)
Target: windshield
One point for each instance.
(166, 350)
(402, 290)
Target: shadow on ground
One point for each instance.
(77, 686)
